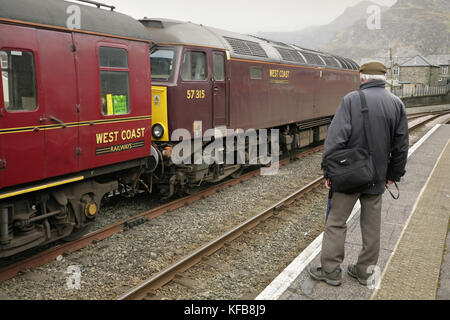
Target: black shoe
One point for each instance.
(333, 278)
(353, 272)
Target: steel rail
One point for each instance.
(433, 117)
(46, 256)
(140, 292)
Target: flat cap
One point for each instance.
(373, 67)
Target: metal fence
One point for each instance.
(404, 92)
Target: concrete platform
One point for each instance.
(422, 209)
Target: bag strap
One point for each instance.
(398, 192)
(365, 113)
(367, 130)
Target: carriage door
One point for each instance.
(21, 134)
(219, 89)
(59, 83)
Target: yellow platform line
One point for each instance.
(412, 272)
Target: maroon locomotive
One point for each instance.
(75, 116)
(206, 78)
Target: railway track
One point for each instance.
(419, 121)
(422, 114)
(50, 254)
(147, 289)
(165, 276)
(101, 234)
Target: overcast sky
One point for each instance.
(243, 16)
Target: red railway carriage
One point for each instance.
(74, 107)
(205, 78)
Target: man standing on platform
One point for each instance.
(390, 140)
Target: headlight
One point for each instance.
(157, 131)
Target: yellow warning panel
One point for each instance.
(159, 110)
(109, 105)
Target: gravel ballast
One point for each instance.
(110, 267)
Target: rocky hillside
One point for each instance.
(410, 27)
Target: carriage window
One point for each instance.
(255, 73)
(113, 57)
(114, 81)
(162, 64)
(219, 68)
(18, 80)
(194, 66)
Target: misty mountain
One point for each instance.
(410, 27)
(319, 36)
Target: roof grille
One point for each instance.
(330, 61)
(345, 65)
(354, 64)
(312, 58)
(248, 48)
(290, 55)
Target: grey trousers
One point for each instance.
(333, 250)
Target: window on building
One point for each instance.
(219, 67)
(114, 81)
(194, 66)
(255, 73)
(162, 63)
(396, 72)
(19, 80)
(445, 70)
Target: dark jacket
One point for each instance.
(389, 128)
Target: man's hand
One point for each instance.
(389, 183)
(328, 184)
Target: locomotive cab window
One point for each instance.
(18, 80)
(161, 63)
(114, 81)
(219, 67)
(194, 66)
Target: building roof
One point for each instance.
(57, 13)
(386, 61)
(439, 59)
(417, 61)
(240, 45)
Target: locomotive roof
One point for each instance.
(241, 46)
(56, 13)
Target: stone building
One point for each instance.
(443, 61)
(419, 71)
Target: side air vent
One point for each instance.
(330, 61)
(248, 48)
(312, 58)
(290, 55)
(152, 23)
